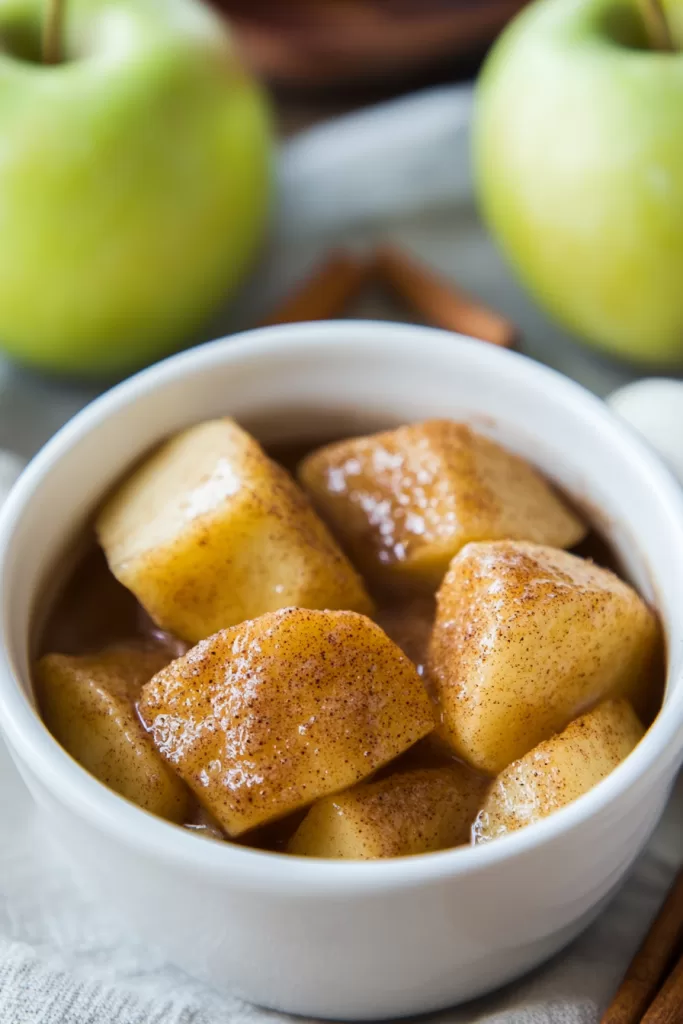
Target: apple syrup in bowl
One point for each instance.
(394, 653)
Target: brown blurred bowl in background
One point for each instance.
(317, 45)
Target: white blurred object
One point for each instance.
(11, 467)
(397, 159)
(654, 407)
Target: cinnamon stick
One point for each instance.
(325, 293)
(651, 962)
(440, 302)
(667, 1008)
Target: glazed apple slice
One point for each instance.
(409, 812)
(559, 770)
(88, 704)
(209, 531)
(526, 637)
(405, 501)
(267, 717)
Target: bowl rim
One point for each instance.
(135, 828)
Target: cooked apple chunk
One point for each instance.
(558, 770)
(406, 501)
(409, 812)
(209, 531)
(526, 637)
(271, 715)
(88, 704)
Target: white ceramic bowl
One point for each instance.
(344, 939)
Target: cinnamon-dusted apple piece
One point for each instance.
(526, 637)
(409, 812)
(273, 714)
(558, 770)
(405, 501)
(88, 704)
(209, 531)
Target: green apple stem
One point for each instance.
(657, 25)
(52, 31)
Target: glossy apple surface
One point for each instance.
(578, 145)
(134, 180)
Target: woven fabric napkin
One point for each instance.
(64, 959)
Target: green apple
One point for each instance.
(578, 149)
(134, 180)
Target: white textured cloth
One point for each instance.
(401, 170)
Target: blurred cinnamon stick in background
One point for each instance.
(649, 968)
(667, 1007)
(318, 47)
(438, 301)
(328, 290)
(326, 293)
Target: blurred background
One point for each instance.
(323, 57)
(181, 170)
